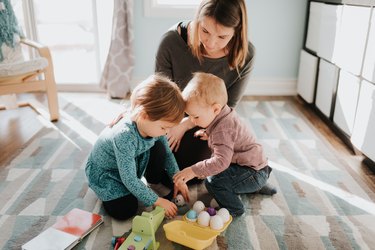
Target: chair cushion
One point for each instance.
(19, 68)
(14, 64)
(11, 54)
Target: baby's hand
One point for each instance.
(169, 207)
(184, 176)
(201, 134)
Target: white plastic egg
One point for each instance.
(224, 214)
(179, 200)
(198, 206)
(204, 219)
(216, 222)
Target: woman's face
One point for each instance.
(214, 37)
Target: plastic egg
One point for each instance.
(204, 219)
(198, 206)
(216, 222)
(224, 214)
(191, 216)
(179, 200)
(211, 211)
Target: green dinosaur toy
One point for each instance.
(144, 227)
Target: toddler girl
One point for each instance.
(120, 155)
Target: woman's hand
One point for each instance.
(116, 120)
(169, 207)
(201, 134)
(176, 133)
(183, 189)
(183, 176)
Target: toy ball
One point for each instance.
(211, 211)
(198, 206)
(179, 200)
(216, 222)
(204, 219)
(224, 214)
(191, 216)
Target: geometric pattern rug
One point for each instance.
(321, 203)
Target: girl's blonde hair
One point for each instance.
(229, 13)
(206, 89)
(159, 98)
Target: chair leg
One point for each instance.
(51, 90)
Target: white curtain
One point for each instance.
(117, 73)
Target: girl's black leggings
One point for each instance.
(122, 208)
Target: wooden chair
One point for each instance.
(38, 80)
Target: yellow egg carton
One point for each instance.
(191, 234)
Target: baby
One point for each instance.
(237, 164)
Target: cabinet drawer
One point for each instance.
(329, 31)
(313, 30)
(369, 63)
(326, 86)
(352, 38)
(364, 133)
(307, 76)
(346, 101)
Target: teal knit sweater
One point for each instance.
(118, 161)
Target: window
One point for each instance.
(170, 8)
(71, 29)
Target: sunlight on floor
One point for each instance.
(104, 111)
(96, 105)
(346, 196)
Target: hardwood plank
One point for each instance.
(17, 127)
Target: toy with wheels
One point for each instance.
(117, 242)
(143, 231)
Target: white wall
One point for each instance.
(276, 28)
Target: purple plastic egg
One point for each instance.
(211, 211)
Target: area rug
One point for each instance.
(320, 203)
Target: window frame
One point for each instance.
(154, 9)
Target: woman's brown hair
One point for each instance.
(159, 98)
(229, 13)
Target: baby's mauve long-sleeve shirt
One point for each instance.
(230, 141)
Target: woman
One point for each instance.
(214, 42)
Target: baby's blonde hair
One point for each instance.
(206, 89)
(159, 98)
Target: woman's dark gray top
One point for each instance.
(175, 60)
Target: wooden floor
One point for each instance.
(18, 126)
(16, 129)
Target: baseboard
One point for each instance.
(79, 87)
(271, 87)
(259, 87)
(256, 87)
